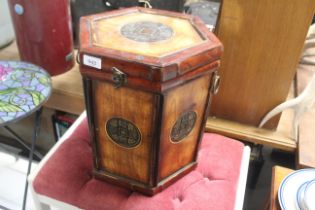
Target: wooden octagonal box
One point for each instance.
(148, 78)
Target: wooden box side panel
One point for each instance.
(136, 107)
(262, 42)
(190, 97)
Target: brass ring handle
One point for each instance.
(78, 58)
(215, 83)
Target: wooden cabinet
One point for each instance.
(263, 40)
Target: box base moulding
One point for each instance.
(143, 188)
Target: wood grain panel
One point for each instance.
(280, 139)
(278, 174)
(263, 40)
(136, 107)
(189, 97)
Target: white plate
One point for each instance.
(300, 196)
(309, 195)
(289, 186)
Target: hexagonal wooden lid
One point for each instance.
(144, 34)
(149, 37)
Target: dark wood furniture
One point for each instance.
(148, 79)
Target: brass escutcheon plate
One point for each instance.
(183, 126)
(123, 132)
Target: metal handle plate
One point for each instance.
(119, 77)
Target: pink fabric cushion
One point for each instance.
(212, 185)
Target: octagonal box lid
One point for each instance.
(156, 49)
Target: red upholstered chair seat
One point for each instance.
(67, 177)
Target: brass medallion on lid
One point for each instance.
(146, 31)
